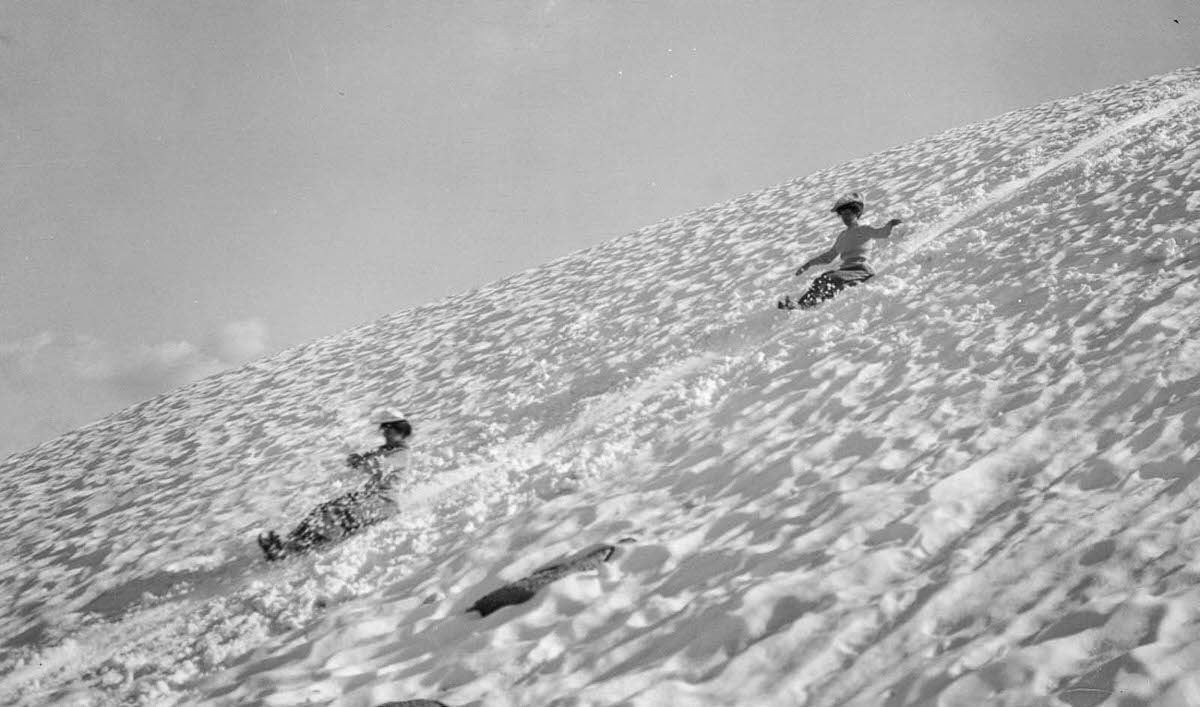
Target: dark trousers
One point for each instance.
(329, 522)
(831, 282)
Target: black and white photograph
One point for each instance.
(600, 353)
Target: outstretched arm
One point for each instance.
(887, 229)
(826, 257)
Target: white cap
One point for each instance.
(382, 415)
(852, 199)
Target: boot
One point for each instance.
(271, 545)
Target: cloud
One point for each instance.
(52, 383)
(239, 342)
(145, 371)
(19, 360)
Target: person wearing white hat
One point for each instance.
(851, 245)
(350, 513)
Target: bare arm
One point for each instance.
(886, 231)
(826, 257)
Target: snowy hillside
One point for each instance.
(969, 480)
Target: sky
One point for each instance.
(187, 186)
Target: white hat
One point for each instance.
(851, 199)
(382, 415)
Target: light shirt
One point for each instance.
(853, 243)
(386, 470)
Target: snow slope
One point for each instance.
(968, 482)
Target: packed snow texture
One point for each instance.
(970, 481)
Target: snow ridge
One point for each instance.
(1013, 188)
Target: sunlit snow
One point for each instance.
(969, 481)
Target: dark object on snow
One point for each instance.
(827, 285)
(414, 703)
(272, 545)
(523, 590)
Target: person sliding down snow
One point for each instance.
(851, 246)
(349, 513)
